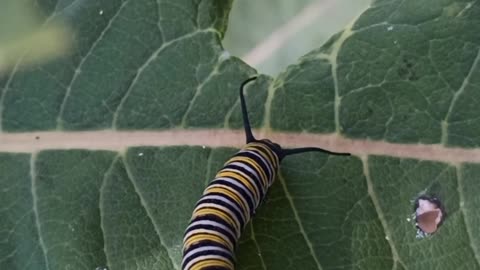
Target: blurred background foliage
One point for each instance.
(268, 35)
(272, 34)
(27, 36)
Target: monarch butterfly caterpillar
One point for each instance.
(230, 200)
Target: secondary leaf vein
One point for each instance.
(101, 206)
(381, 216)
(209, 165)
(33, 177)
(299, 222)
(463, 211)
(455, 98)
(262, 262)
(78, 69)
(334, 66)
(198, 92)
(149, 212)
(152, 57)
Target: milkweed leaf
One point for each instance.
(104, 152)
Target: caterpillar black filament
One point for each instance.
(231, 198)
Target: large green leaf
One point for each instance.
(149, 102)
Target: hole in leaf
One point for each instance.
(429, 215)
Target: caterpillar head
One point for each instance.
(274, 146)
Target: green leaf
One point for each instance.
(104, 153)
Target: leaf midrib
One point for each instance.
(32, 142)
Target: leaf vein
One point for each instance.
(78, 69)
(299, 222)
(334, 68)
(465, 82)
(38, 226)
(264, 266)
(198, 92)
(475, 250)
(209, 165)
(140, 70)
(380, 214)
(101, 206)
(148, 212)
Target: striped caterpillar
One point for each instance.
(230, 200)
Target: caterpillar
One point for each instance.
(230, 200)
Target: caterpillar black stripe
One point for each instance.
(231, 198)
